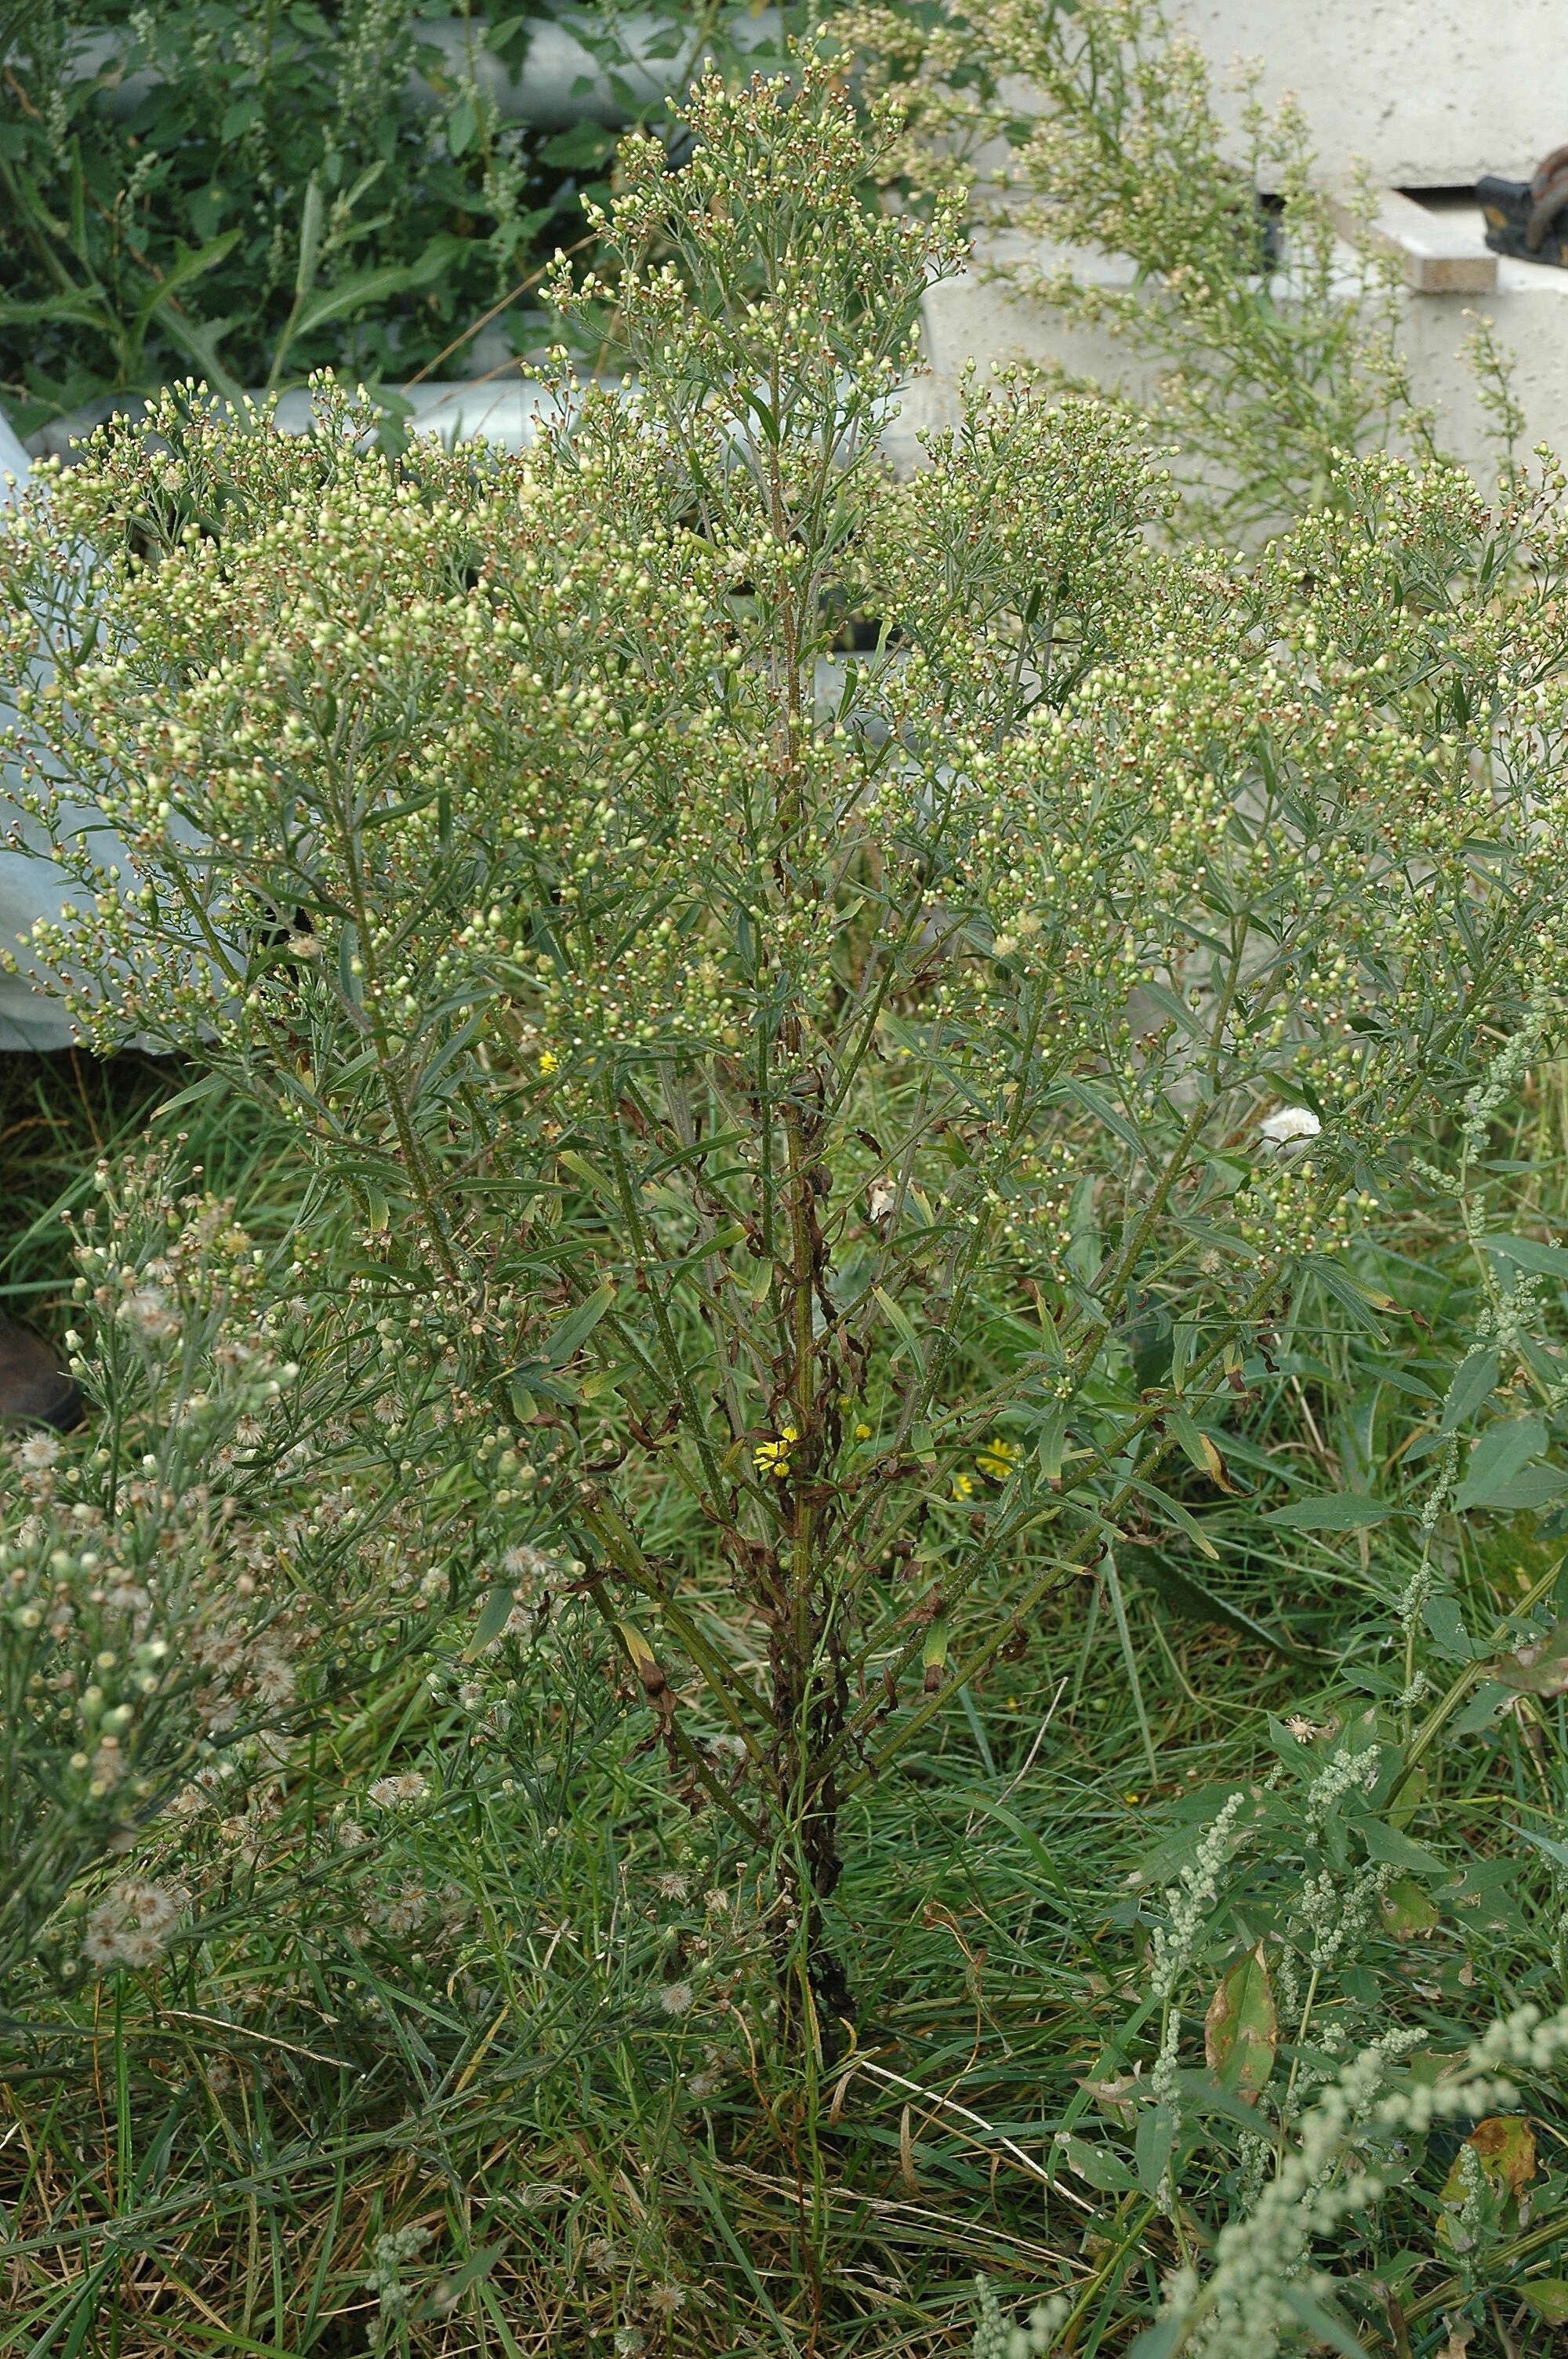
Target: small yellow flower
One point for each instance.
(996, 1460)
(963, 1487)
(772, 1457)
(862, 1433)
(549, 1061)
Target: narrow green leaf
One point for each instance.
(568, 1333)
(493, 1621)
(1554, 1850)
(1119, 1607)
(899, 1321)
(312, 215)
(189, 267)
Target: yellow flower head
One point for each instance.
(772, 1457)
(996, 1460)
(549, 1061)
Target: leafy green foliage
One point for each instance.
(253, 189)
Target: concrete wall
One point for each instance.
(1428, 93)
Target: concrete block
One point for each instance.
(1440, 252)
(1426, 94)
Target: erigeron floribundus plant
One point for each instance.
(208, 1564)
(772, 1081)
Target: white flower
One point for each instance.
(390, 1791)
(147, 1308)
(38, 1451)
(675, 1997)
(132, 1926)
(1291, 1121)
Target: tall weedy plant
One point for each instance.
(803, 1105)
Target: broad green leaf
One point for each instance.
(1159, 2342)
(1472, 1383)
(1241, 2028)
(1442, 1618)
(1338, 1511)
(1525, 1253)
(1533, 1488)
(1405, 1910)
(1386, 1843)
(1322, 2322)
(1151, 2143)
(1481, 1709)
(1540, 1668)
(1504, 2145)
(1548, 2297)
(1095, 2164)
(1503, 1448)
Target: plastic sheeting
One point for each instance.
(29, 887)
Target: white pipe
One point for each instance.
(506, 412)
(561, 80)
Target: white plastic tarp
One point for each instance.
(29, 887)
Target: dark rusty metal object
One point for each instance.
(34, 1388)
(1528, 219)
